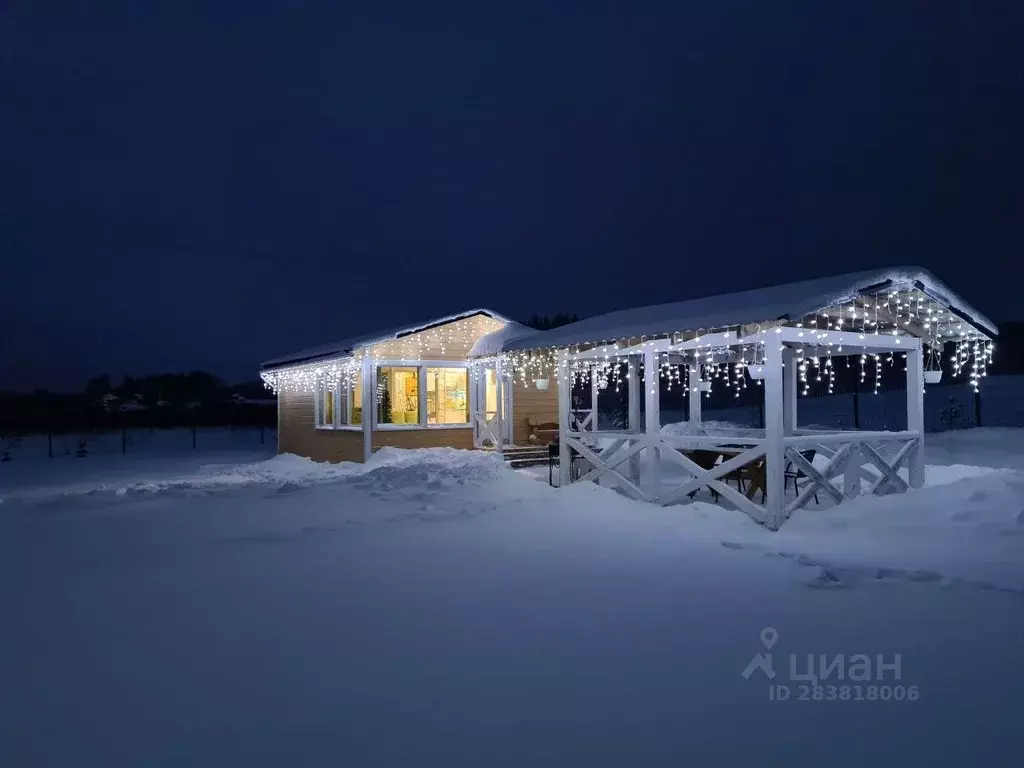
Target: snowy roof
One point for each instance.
(780, 302)
(492, 343)
(348, 346)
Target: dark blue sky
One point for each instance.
(207, 184)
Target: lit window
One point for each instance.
(326, 400)
(356, 401)
(447, 396)
(398, 398)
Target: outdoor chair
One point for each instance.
(795, 474)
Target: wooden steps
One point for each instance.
(521, 456)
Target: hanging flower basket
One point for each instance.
(541, 384)
(602, 383)
(756, 372)
(932, 377)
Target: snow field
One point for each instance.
(435, 608)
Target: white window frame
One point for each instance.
(421, 379)
(343, 384)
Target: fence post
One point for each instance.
(977, 408)
(261, 434)
(124, 441)
(49, 443)
(193, 438)
(856, 409)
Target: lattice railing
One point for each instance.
(853, 459)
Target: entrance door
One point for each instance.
(485, 414)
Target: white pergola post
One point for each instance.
(635, 393)
(789, 383)
(499, 389)
(774, 431)
(652, 422)
(594, 389)
(915, 413)
(564, 416)
(368, 393)
(695, 392)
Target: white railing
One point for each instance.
(582, 418)
(852, 458)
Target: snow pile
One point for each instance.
(727, 428)
(433, 469)
(492, 343)
(388, 469)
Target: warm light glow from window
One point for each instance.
(398, 395)
(447, 396)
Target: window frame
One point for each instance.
(421, 381)
(344, 384)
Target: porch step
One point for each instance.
(520, 456)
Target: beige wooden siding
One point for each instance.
(423, 438)
(452, 341)
(529, 401)
(298, 435)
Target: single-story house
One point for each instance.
(422, 385)
(478, 380)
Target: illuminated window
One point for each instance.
(447, 396)
(491, 393)
(398, 398)
(356, 401)
(326, 400)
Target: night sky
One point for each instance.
(199, 184)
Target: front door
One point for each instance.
(485, 414)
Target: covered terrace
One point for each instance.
(777, 337)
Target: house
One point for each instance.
(477, 380)
(423, 385)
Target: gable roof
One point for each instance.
(791, 301)
(346, 347)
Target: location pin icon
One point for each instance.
(769, 637)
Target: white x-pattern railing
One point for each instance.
(487, 427)
(853, 458)
(874, 458)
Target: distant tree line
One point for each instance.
(165, 400)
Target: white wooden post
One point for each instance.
(695, 392)
(368, 395)
(789, 399)
(564, 415)
(915, 412)
(593, 398)
(421, 395)
(499, 389)
(635, 393)
(775, 447)
(652, 419)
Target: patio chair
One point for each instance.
(795, 474)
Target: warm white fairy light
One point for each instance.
(721, 354)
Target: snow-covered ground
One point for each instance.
(435, 608)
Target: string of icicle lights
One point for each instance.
(720, 364)
(891, 312)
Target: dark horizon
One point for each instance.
(206, 188)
